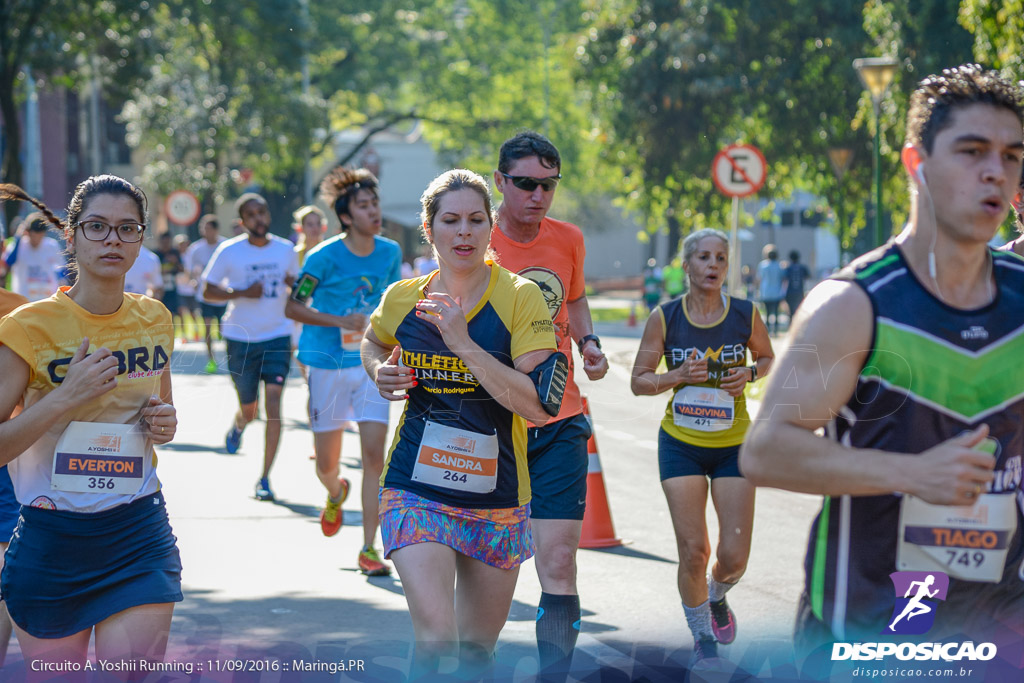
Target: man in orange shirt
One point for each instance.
(551, 252)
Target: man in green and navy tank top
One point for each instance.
(911, 361)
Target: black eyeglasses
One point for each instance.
(97, 231)
(529, 184)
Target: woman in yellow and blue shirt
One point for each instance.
(458, 345)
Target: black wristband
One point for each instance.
(753, 372)
(584, 339)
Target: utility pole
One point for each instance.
(307, 178)
(95, 151)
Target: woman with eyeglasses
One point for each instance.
(470, 348)
(704, 337)
(93, 550)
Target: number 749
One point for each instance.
(965, 557)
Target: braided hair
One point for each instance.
(86, 190)
(10, 192)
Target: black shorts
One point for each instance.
(250, 362)
(186, 301)
(170, 301)
(558, 461)
(680, 459)
(209, 311)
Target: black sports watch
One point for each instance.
(590, 337)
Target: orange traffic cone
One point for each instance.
(632, 318)
(598, 530)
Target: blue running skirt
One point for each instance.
(65, 571)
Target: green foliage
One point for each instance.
(998, 30)
(925, 38)
(224, 92)
(61, 41)
(638, 94)
(676, 82)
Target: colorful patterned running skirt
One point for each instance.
(499, 537)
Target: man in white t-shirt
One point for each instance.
(144, 277)
(35, 261)
(253, 274)
(197, 257)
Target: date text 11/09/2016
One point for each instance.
(256, 665)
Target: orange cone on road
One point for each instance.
(630, 323)
(598, 530)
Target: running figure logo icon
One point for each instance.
(917, 594)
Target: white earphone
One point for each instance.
(932, 268)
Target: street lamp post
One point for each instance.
(840, 158)
(876, 74)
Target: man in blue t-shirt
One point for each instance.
(341, 283)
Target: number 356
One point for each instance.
(100, 483)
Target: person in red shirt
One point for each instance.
(551, 252)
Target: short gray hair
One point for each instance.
(690, 243)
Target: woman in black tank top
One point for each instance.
(704, 337)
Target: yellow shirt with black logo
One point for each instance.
(510, 320)
(46, 334)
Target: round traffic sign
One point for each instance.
(739, 170)
(181, 207)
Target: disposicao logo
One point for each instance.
(917, 595)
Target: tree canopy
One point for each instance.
(64, 42)
(638, 94)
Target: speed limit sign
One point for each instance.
(181, 207)
(739, 170)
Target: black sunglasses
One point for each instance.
(529, 184)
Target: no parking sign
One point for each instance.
(181, 207)
(739, 170)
